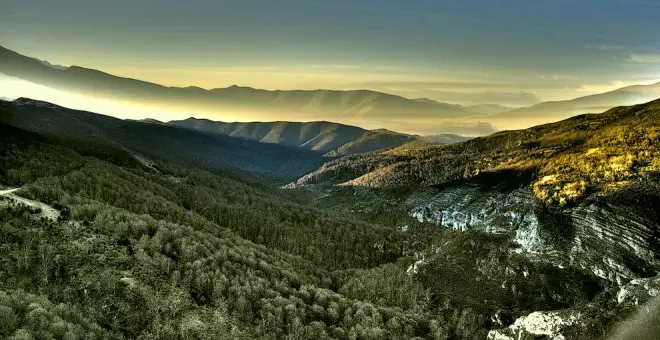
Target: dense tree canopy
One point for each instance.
(185, 251)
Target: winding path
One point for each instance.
(8, 191)
(46, 210)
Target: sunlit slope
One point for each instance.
(326, 137)
(558, 110)
(570, 159)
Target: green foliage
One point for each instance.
(190, 252)
(159, 255)
(27, 316)
(388, 285)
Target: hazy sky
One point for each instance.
(514, 52)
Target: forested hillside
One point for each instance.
(329, 138)
(157, 140)
(183, 252)
(570, 159)
(158, 254)
(98, 242)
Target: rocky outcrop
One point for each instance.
(472, 207)
(609, 240)
(539, 325)
(639, 291)
(559, 324)
(613, 241)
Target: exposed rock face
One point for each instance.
(609, 240)
(470, 207)
(639, 291)
(538, 325)
(613, 242)
(558, 324)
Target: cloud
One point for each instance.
(470, 93)
(645, 58)
(345, 67)
(509, 98)
(431, 127)
(8, 87)
(464, 129)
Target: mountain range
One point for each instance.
(578, 193)
(157, 140)
(281, 149)
(558, 110)
(343, 170)
(571, 159)
(557, 223)
(354, 106)
(359, 103)
(475, 109)
(332, 139)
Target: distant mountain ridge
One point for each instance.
(328, 103)
(280, 149)
(353, 107)
(581, 154)
(332, 139)
(558, 110)
(472, 109)
(153, 138)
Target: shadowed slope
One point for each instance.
(157, 139)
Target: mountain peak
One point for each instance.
(239, 87)
(33, 102)
(194, 88)
(426, 100)
(46, 63)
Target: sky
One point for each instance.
(513, 53)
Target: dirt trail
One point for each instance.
(46, 210)
(8, 191)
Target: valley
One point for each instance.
(580, 194)
(329, 138)
(550, 230)
(329, 170)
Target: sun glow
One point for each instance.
(13, 88)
